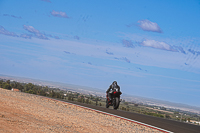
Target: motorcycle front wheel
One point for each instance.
(116, 103)
(107, 105)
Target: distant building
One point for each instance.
(194, 122)
(13, 89)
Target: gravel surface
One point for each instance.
(21, 112)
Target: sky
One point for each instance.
(151, 48)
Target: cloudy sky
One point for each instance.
(151, 48)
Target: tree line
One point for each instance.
(49, 92)
(31, 88)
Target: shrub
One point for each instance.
(7, 86)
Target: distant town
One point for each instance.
(153, 107)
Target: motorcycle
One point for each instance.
(115, 96)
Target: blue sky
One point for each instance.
(151, 48)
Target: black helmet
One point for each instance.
(114, 83)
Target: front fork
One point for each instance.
(108, 100)
(107, 97)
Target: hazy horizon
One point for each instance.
(151, 48)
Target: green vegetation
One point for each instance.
(5, 85)
(67, 95)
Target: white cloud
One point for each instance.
(157, 45)
(147, 25)
(124, 59)
(59, 14)
(127, 43)
(110, 53)
(8, 33)
(31, 29)
(194, 52)
(12, 16)
(180, 49)
(26, 36)
(36, 32)
(139, 55)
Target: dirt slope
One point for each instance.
(21, 112)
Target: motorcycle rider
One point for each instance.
(111, 89)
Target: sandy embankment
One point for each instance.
(21, 112)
